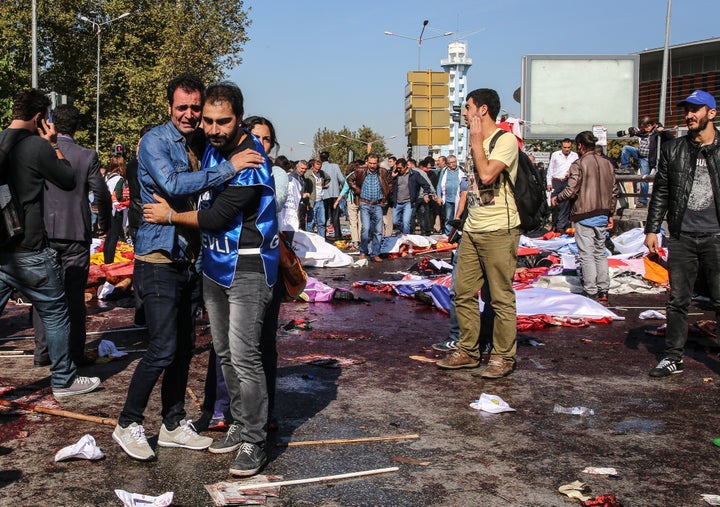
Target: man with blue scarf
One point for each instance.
(240, 248)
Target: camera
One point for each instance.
(631, 131)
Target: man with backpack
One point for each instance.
(488, 250)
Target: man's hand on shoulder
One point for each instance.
(247, 159)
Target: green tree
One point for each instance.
(346, 145)
(139, 55)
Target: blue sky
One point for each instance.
(327, 63)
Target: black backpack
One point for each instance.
(529, 191)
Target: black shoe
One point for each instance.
(250, 459)
(229, 443)
(43, 361)
(446, 346)
(667, 367)
(594, 296)
(602, 297)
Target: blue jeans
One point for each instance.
(74, 258)
(371, 221)
(629, 152)
(236, 319)
(448, 214)
(317, 218)
(402, 213)
(170, 294)
(689, 256)
(38, 276)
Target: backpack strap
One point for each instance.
(505, 173)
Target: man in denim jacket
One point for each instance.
(166, 281)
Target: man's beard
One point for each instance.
(702, 123)
(224, 142)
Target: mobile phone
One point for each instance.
(49, 114)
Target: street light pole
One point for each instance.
(420, 39)
(98, 26)
(34, 69)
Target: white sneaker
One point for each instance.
(183, 436)
(80, 385)
(133, 442)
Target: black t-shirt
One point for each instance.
(31, 162)
(701, 215)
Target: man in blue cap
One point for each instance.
(687, 189)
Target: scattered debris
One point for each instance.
(326, 361)
(61, 413)
(85, 448)
(227, 493)
(717, 441)
(491, 403)
(652, 314)
(241, 486)
(600, 471)
(136, 499)
(527, 340)
(707, 379)
(711, 499)
(106, 348)
(583, 411)
(348, 440)
(410, 461)
(302, 324)
(575, 490)
(423, 359)
(602, 501)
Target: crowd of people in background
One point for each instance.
(209, 185)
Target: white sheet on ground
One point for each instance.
(537, 300)
(316, 252)
(392, 244)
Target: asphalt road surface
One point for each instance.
(657, 433)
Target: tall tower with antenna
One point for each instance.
(456, 65)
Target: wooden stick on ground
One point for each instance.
(61, 413)
(89, 333)
(347, 440)
(240, 486)
(194, 398)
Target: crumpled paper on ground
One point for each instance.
(652, 314)
(600, 471)
(361, 263)
(491, 403)
(85, 448)
(105, 290)
(575, 490)
(136, 499)
(711, 499)
(108, 349)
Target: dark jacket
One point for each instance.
(32, 163)
(416, 182)
(591, 186)
(674, 181)
(356, 179)
(67, 212)
(655, 136)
